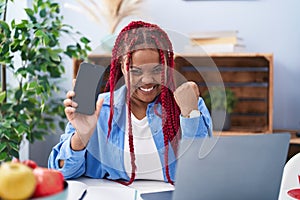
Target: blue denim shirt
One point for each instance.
(105, 157)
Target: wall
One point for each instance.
(265, 25)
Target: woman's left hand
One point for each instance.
(186, 97)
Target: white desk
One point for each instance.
(110, 190)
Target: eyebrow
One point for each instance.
(137, 67)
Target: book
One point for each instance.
(213, 34)
(216, 40)
(215, 48)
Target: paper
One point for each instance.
(99, 189)
(110, 193)
(76, 189)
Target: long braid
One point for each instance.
(168, 134)
(136, 34)
(130, 134)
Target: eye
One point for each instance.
(135, 71)
(158, 69)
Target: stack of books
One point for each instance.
(215, 42)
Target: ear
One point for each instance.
(123, 65)
(123, 68)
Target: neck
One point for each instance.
(138, 108)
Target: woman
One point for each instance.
(135, 130)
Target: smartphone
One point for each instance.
(87, 87)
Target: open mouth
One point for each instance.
(146, 89)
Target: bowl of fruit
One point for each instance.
(26, 180)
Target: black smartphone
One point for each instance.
(87, 87)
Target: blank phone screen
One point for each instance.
(87, 87)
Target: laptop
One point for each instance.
(229, 167)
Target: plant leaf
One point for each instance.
(2, 96)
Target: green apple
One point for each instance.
(17, 181)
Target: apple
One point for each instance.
(30, 163)
(49, 181)
(17, 181)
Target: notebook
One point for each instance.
(229, 167)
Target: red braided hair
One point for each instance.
(134, 35)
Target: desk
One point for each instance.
(110, 190)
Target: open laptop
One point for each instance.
(229, 167)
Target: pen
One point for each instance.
(83, 195)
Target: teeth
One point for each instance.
(146, 89)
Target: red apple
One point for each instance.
(30, 163)
(49, 181)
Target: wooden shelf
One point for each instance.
(248, 75)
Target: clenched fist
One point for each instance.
(186, 97)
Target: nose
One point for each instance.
(147, 78)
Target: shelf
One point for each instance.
(248, 75)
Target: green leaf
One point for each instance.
(13, 24)
(29, 12)
(32, 85)
(43, 13)
(18, 94)
(3, 156)
(55, 57)
(2, 146)
(17, 108)
(5, 48)
(15, 152)
(6, 124)
(84, 40)
(42, 107)
(40, 34)
(2, 96)
(62, 125)
(21, 130)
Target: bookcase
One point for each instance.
(248, 75)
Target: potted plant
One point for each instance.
(220, 102)
(31, 49)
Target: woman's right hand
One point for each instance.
(84, 124)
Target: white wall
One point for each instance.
(267, 26)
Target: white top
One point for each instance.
(148, 165)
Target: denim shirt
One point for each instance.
(104, 157)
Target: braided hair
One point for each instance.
(140, 35)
